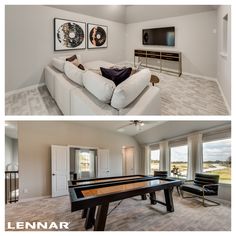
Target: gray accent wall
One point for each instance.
(29, 40)
(195, 38)
(36, 138)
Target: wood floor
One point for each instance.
(179, 96)
(132, 215)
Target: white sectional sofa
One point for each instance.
(88, 93)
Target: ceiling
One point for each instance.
(135, 13)
(122, 127)
(11, 129)
(173, 129)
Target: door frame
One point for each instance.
(84, 147)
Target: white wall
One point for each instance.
(224, 59)
(29, 42)
(35, 139)
(195, 38)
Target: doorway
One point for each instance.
(128, 153)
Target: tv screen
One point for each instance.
(159, 36)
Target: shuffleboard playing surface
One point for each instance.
(121, 188)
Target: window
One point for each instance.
(179, 161)
(217, 159)
(154, 160)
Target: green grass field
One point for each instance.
(225, 174)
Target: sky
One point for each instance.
(217, 150)
(212, 151)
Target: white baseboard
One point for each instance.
(34, 198)
(200, 76)
(225, 100)
(24, 89)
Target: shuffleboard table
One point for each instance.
(94, 195)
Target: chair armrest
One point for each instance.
(188, 181)
(208, 185)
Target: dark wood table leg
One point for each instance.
(144, 197)
(84, 213)
(153, 198)
(101, 217)
(169, 200)
(90, 218)
(178, 190)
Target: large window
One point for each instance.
(217, 159)
(179, 161)
(154, 160)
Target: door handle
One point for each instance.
(53, 174)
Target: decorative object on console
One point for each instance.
(116, 75)
(97, 36)
(68, 35)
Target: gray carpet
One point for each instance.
(132, 215)
(179, 96)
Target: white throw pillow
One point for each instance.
(99, 86)
(73, 73)
(59, 62)
(129, 90)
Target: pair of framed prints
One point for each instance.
(71, 35)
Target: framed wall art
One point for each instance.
(69, 35)
(97, 36)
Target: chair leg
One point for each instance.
(182, 194)
(209, 200)
(204, 199)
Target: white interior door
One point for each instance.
(103, 163)
(60, 170)
(129, 161)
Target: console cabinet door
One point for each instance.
(103, 163)
(60, 170)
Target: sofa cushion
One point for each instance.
(73, 73)
(59, 62)
(117, 75)
(147, 103)
(129, 90)
(95, 66)
(99, 86)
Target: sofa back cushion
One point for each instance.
(99, 86)
(73, 73)
(129, 90)
(59, 62)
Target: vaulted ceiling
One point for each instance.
(135, 13)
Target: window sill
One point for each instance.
(225, 184)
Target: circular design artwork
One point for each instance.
(97, 36)
(70, 35)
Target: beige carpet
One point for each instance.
(179, 96)
(132, 214)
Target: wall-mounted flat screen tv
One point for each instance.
(159, 36)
